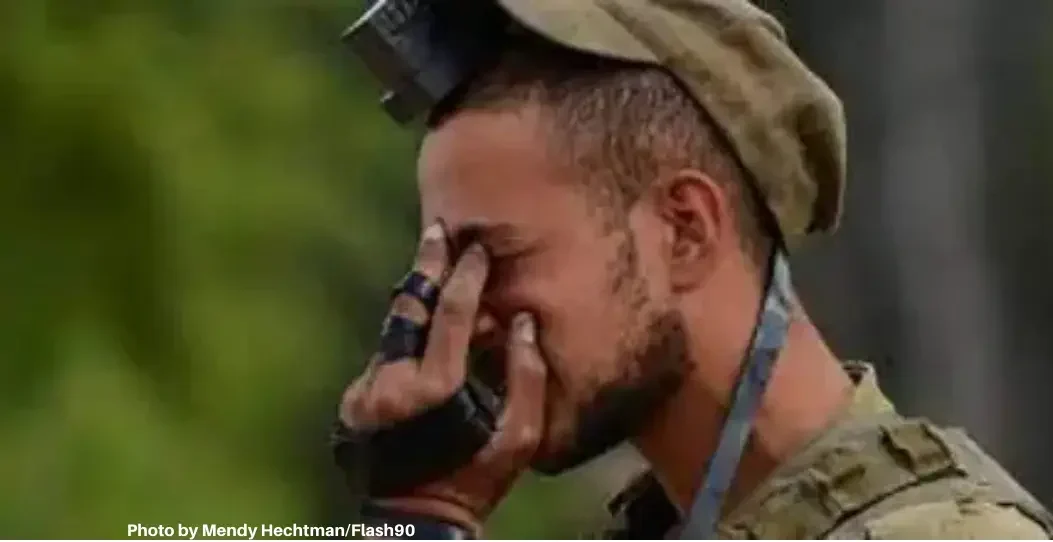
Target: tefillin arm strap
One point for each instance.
(768, 338)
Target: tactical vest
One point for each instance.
(861, 472)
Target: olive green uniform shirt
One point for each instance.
(873, 474)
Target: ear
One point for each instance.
(695, 211)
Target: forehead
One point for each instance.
(495, 167)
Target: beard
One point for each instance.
(621, 408)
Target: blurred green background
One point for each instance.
(202, 208)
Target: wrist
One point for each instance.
(432, 519)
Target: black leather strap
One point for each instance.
(419, 286)
(402, 338)
(395, 459)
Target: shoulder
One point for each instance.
(955, 520)
(976, 499)
(891, 478)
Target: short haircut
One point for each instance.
(623, 124)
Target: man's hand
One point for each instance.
(388, 393)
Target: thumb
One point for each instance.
(521, 424)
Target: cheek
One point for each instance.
(581, 322)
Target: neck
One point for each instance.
(806, 391)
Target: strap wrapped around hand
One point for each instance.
(400, 457)
(401, 337)
(419, 286)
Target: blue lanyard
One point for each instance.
(768, 339)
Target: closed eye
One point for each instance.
(504, 268)
(500, 271)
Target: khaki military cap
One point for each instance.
(786, 126)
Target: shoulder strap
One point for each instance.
(862, 468)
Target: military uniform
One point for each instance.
(874, 474)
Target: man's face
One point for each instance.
(596, 285)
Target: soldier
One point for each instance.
(610, 200)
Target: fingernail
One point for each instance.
(484, 323)
(524, 328)
(434, 232)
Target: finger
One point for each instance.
(431, 263)
(408, 306)
(352, 403)
(486, 355)
(390, 399)
(487, 333)
(401, 339)
(520, 427)
(446, 356)
(433, 253)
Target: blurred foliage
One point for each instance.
(200, 213)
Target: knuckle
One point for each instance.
(409, 307)
(532, 368)
(351, 409)
(351, 397)
(470, 270)
(448, 379)
(527, 438)
(431, 265)
(519, 445)
(453, 308)
(473, 266)
(350, 413)
(431, 257)
(433, 391)
(362, 415)
(389, 406)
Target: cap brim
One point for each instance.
(584, 25)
